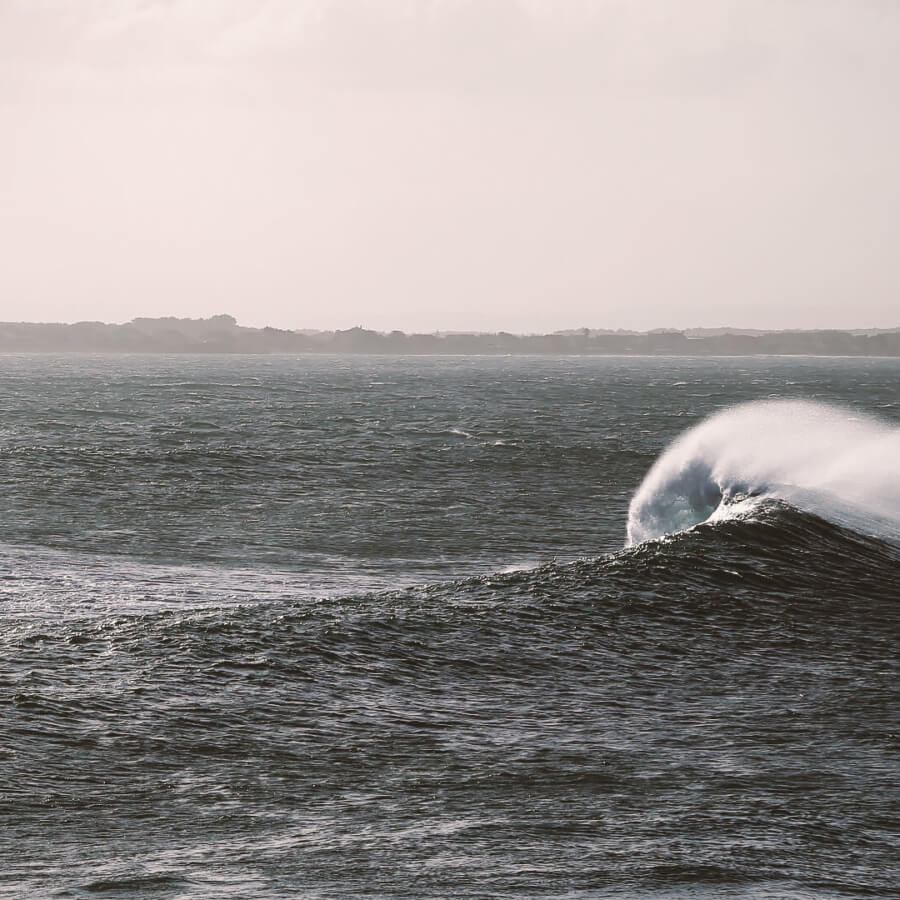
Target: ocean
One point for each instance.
(327, 627)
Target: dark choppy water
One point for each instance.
(364, 627)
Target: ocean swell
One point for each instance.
(827, 460)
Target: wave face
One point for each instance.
(827, 460)
(606, 721)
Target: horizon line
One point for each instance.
(233, 322)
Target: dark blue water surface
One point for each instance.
(365, 626)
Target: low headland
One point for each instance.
(222, 334)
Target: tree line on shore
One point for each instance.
(222, 334)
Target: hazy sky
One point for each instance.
(525, 165)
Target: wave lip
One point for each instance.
(831, 461)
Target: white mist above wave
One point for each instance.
(827, 460)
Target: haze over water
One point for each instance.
(517, 165)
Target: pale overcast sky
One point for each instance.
(525, 165)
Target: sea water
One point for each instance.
(461, 627)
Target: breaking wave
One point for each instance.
(827, 460)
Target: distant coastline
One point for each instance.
(222, 334)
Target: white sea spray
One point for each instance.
(825, 459)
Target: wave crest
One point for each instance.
(836, 463)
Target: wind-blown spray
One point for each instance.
(823, 459)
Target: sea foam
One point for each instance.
(827, 460)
